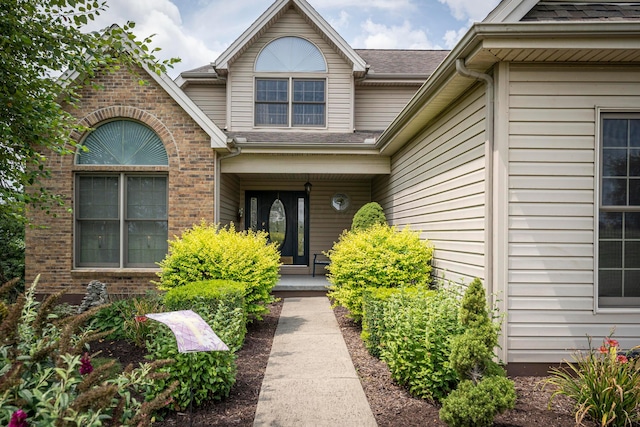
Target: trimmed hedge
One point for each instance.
(368, 215)
(207, 252)
(205, 375)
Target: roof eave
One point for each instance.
(478, 58)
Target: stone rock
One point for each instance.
(96, 295)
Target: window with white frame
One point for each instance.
(619, 211)
(121, 212)
(290, 84)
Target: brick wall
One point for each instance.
(49, 250)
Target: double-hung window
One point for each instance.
(305, 106)
(290, 84)
(121, 206)
(619, 211)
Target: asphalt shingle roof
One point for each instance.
(402, 61)
(384, 61)
(305, 137)
(569, 11)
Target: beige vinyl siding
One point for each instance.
(339, 78)
(326, 224)
(437, 186)
(552, 184)
(229, 198)
(212, 100)
(377, 106)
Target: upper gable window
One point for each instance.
(296, 96)
(291, 54)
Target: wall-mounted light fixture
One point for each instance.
(307, 187)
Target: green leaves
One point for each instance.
(41, 40)
(603, 384)
(380, 256)
(211, 252)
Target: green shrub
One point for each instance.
(122, 317)
(368, 215)
(603, 384)
(208, 252)
(380, 256)
(475, 405)
(373, 322)
(484, 390)
(44, 378)
(209, 299)
(418, 328)
(201, 375)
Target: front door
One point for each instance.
(284, 215)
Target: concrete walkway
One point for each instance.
(310, 379)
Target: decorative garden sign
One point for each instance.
(191, 331)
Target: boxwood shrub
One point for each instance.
(203, 375)
(207, 252)
(380, 256)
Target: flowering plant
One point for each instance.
(603, 383)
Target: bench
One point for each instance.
(318, 262)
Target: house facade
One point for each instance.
(517, 154)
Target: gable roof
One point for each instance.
(385, 66)
(554, 11)
(271, 15)
(563, 10)
(218, 137)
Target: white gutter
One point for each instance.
(488, 155)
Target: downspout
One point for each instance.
(488, 152)
(233, 152)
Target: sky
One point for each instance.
(198, 31)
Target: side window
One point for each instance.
(290, 84)
(619, 211)
(121, 216)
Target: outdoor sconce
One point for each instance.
(240, 214)
(307, 187)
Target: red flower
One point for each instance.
(18, 419)
(603, 349)
(611, 342)
(85, 366)
(622, 358)
(141, 319)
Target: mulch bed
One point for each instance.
(390, 403)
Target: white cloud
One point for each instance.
(452, 37)
(380, 36)
(162, 18)
(365, 4)
(341, 22)
(472, 10)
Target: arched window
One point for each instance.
(121, 215)
(295, 99)
(290, 54)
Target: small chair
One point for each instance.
(318, 262)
